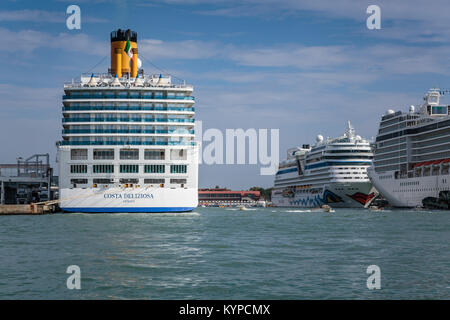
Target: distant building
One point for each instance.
(223, 196)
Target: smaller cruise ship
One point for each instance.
(331, 172)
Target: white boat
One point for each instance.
(128, 139)
(412, 155)
(261, 203)
(332, 172)
(376, 208)
(323, 208)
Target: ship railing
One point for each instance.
(65, 120)
(77, 131)
(126, 108)
(137, 143)
(153, 97)
(104, 79)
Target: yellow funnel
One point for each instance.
(120, 61)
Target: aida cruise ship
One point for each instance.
(127, 139)
(412, 155)
(332, 172)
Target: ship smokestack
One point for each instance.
(121, 63)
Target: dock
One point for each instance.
(29, 209)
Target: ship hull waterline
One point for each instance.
(128, 200)
(336, 195)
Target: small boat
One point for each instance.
(323, 208)
(375, 208)
(243, 208)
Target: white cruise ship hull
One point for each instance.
(117, 199)
(337, 195)
(409, 192)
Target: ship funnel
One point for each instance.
(124, 59)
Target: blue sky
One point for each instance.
(304, 67)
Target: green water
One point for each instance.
(215, 253)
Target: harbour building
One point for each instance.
(223, 196)
(127, 139)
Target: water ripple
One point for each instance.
(214, 253)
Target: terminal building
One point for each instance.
(223, 196)
(27, 181)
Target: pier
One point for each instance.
(29, 209)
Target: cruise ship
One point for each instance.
(412, 154)
(331, 172)
(127, 139)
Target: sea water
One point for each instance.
(226, 253)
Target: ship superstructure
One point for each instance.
(127, 139)
(412, 154)
(332, 172)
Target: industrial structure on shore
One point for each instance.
(27, 181)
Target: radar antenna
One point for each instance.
(350, 132)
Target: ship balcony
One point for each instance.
(137, 131)
(128, 97)
(126, 120)
(125, 142)
(126, 108)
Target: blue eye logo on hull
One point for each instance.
(317, 200)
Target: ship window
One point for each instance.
(124, 180)
(178, 168)
(178, 154)
(439, 110)
(154, 181)
(103, 154)
(129, 168)
(129, 154)
(103, 181)
(103, 168)
(78, 168)
(175, 181)
(78, 181)
(154, 154)
(154, 168)
(78, 154)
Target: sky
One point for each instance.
(303, 67)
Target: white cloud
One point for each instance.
(187, 49)
(42, 16)
(291, 56)
(408, 21)
(27, 41)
